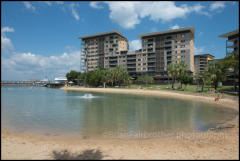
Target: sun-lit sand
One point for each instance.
(215, 144)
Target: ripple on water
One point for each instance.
(87, 96)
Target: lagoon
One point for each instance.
(57, 112)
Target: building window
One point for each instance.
(182, 35)
(182, 51)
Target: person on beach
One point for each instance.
(217, 98)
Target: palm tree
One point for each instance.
(204, 77)
(182, 69)
(104, 78)
(110, 76)
(172, 72)
(216, 73)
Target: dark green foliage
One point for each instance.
(216, 73)
(112, 77)
(73, 76)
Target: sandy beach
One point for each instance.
(221, 143)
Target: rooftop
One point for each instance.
(204, 55)
(235, 32)
(168, 31)
(101, 34)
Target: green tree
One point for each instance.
(204, 78)
(182, 70)
(93, 78)
(73, 76)
(104, 78)
(82, 78)
(120, 75)
(110, 76)
(216, 73)
(172, 72)
(186, 79)
(115, 76)
(231, 61)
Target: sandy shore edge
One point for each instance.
(229, 103)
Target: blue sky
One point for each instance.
(39, 39)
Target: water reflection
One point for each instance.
(95, 114)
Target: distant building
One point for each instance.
(165, 47)
(201, 62)
(232, 42)
(103, 50)
(109, 49)
(232, 46)
(60, 80)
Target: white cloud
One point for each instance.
(135, 45)
(6, 43)
(217, 5)
(7, 29)
(73, 10)
(129, 14)
(95, 5)
(29, 6)
(198, 50)
(36, 65)
(174, 27)
(124, 14)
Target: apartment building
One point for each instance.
(109, 49)
(232, 42)
(232, 46)
(162, 48)
(201, 62)
(103, 50)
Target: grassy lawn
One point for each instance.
(188, 89)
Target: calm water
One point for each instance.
(56, 112)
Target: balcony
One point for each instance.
(151, 69)
(129, 63)
(131, 58)
(169, 37)
(168, 43)
(151, 60)
(229, 44)
(150, 50)
(168, 48)
(150, 40)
